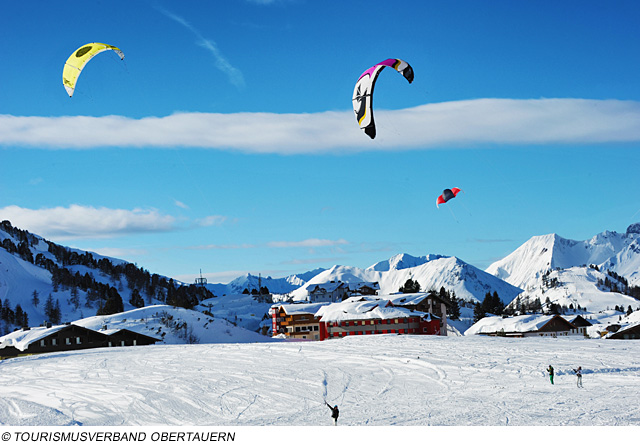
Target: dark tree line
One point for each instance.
(490, 305)
(617, 283)
(14, 316)
(453, 302)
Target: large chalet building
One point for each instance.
(67, 337)
(416, 314)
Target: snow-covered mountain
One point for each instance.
(34, 272)
(431, 272)
(618, 252)
(275, 285)
(575, 273)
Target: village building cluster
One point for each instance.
(337, 309)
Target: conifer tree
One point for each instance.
(410, 287)
(75, 299)
(49, 308)
(136, 299)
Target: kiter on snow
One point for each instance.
(335, 412)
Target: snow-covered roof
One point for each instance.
(307, 308)
(21, 339)
(573, 318)
(364, 309)
(357, 285)
(520, 323)
(406, 299)
(327, 287)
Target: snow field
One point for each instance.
(382, 380)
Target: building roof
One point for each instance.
(21, 339)
(111, 332)
(408, 299)
(326, 287)
(364, 309)
(632, 328)
(520, 324)
(578, 320)
(298, 308)
(357, 285)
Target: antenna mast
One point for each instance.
(201, 281)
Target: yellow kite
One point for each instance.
(76, 62)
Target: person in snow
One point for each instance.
(335, 412)
(550, 371)
(579, 375)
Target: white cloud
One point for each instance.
(441, 125)
(212, 220)
(308, 243)
(312, 242)
(78, 221)
(180, 204)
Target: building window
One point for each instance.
(43, 343)
(78, 341)
(67, 341)
(54, 342)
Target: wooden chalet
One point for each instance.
(363, 288)
(296, 321)
(534, 325)
(627, 333)
(331, 292)
(125, 337)
(580, 323)
(41, 339)
(67, 337)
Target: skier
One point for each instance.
(550, 371)
(579, 375)
(335, 412)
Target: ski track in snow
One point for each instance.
(381, 380)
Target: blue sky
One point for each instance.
(225, 141)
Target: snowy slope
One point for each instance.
(382, 380)
(242, 309)
(432, 272)
(619, 252)
(170, 324)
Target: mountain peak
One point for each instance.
(402, 261)
(633, 228)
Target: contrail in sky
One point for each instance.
(235, 75)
